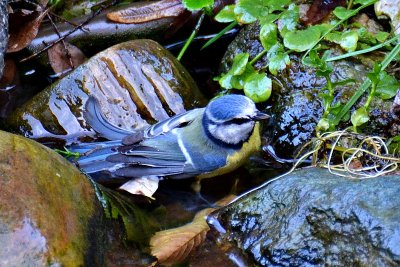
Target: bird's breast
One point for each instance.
(236, 158)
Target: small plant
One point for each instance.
(281, 34)
(67, 153)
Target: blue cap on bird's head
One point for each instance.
(230, 119)
(230, 107)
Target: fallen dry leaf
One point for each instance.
(64, 58)
(144, 12)
(23, 26)
(145, 186)
(174, 245)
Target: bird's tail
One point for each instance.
(92, 160)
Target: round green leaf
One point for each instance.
(193, 5)
(359, 117)
(226, 14)
(268, 35)
(302, 40)
(239, 64)
(258, 87)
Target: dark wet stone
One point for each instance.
(3, 33)
(136, 83)
(49, 212)
(296, 106)
(313, 218)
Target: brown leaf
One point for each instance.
(23, 26)
(63, 58)
(319, 10)
(144, 12)
(174, 245)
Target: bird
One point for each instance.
(202, 143)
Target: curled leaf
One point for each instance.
(145, 186)
(140, 13)
(64, 58)
(24, 26)
(174, 245)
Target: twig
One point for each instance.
(67, 53)
(96, 13)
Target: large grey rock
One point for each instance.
(314, 218)
(3, 33)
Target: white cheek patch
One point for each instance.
(233, 133)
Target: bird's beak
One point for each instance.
(260, 116)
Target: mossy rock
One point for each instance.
(49, 213)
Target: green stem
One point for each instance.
(350, 5)
(363, 51)
(216, 37)
(191, 37)
(258, 56)
(367, 83)
(370, 96)
(354, 12)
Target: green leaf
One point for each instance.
(302, 40)
(226, 14)
(394, 145)
(268, 19)
(289, 19)
(359, 117)
(342, 12)
(278, 59)
(323, 125)
(268, 35)
(258, 87)
(248, 11)
(347, 40)
(364, 2)
(193, 5)
(382, 36)
(239, 64)
(387, 86)
(225, 81)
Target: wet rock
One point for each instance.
(137, 83)
(49, 213)
(389, 9)
(3, 33)
(296, 106)
(313, 218)
(100, 33)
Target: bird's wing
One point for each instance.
(96, 119)
(160, 156)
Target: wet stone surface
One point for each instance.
(3, 33)
(313, 218)
(49, 212)
(296, 106)
(136, 83)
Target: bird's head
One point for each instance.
(230, 119)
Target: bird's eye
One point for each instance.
(238, 121)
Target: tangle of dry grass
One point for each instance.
(349, 155)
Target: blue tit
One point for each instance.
(203, 142)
